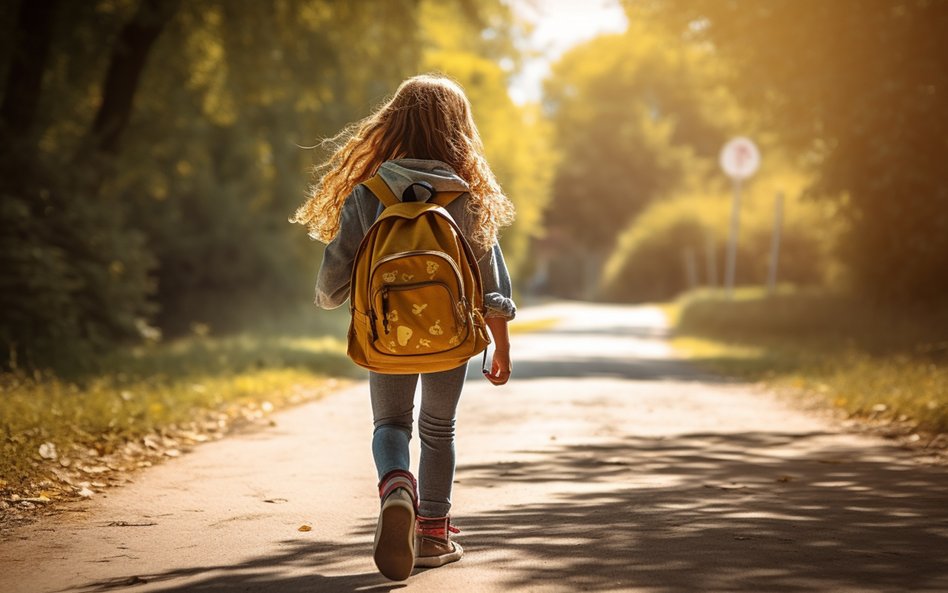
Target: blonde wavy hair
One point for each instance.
(429, 117)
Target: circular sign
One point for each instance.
(740, 158)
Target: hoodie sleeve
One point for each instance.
(335, 273)
(498, 292)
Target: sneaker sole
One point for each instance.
(394, 540)
(436, 561)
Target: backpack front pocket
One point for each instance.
(417, 318)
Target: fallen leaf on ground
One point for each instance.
(39, 499)
(47, 451)
(275, 500)
(94, 469)
(305, 527)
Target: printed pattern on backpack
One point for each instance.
(404, 291)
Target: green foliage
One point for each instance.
(636, 117)
(75, 275)
(227, 168)
(857, 87)
(186, 223)
(649, 261)
(516, 139)
(634, 114)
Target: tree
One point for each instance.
(75, 275)
(478, 50)
(857, 89)
(181, 124)
(126, 63)
(31, 40)
(634, 116)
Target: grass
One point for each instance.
(880, 362)
(157, 398)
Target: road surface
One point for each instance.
(605, 465)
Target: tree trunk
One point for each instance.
(125, 67)
(24, 79)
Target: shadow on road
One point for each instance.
(749, 512)
(632, 369)
(776, 512)
(294, 569)
(740, 512)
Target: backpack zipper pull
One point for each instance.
(385, 310)
(374, 324)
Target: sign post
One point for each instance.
(711, 255)
(739, 160)
(775, 244)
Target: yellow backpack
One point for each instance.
(416, 296)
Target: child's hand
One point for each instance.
(499, 367)
(500, 362)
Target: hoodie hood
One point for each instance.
(401, 173)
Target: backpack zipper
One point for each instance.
(438, 254)
(457, 314)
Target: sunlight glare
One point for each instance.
(558, 26)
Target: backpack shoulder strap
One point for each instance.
(443, 198)
(381, 190)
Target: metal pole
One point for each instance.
(732, 240)
(775, 244)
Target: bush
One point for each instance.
(649, 260)
(75, 276)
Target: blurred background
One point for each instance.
(153, 151)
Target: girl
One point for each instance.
(424, 133)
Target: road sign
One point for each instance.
(740, 158)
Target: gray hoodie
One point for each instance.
(360, 210)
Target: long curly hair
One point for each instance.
(429, 117)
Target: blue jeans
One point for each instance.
(392, 405)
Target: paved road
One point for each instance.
(606, 465)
